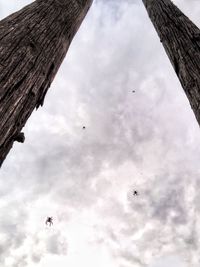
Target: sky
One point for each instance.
(147, 141)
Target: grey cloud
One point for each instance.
(36, 257)
(56, 245)
(12, 228)
(20, 261)
(128, 256)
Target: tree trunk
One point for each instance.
(181, 40)
(33, 44)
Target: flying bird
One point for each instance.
(133, 91)
(83, 127)
(49, 220)
(135, 193)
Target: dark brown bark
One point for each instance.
(181, 40)
(33, 44)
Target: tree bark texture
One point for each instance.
(181, 40)
(33, 44)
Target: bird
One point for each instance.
(49, 220)
(135, 193)
(83, 127)
(133, 91)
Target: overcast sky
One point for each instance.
(147, 141)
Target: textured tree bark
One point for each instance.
(33, 44)
(181, 40)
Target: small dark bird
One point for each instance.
(133, 91)
(49, 220)
(83, 127)
(135, 193)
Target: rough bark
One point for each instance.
(181, 40)
(33, 44)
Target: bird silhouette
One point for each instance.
(49, 220)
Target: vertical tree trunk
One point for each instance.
(33, 44)
(181, 40)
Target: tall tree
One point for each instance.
(181, 40)
(33, 44)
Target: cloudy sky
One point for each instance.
(147, 141)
